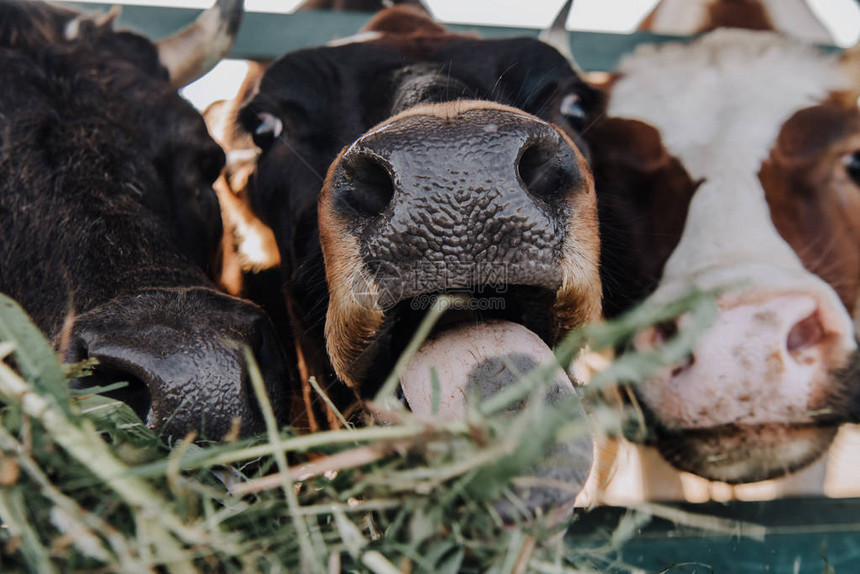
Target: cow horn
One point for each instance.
(194, 50)
(558, 36)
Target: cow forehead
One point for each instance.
(487, 63)
(719, 103)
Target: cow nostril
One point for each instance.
(371, 186)
(678, 370)
(546, 168)
(106, 372)
(655, 336)
(135, 394)
(806, 333)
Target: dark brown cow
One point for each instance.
(107, 216)
(405, 78)
(419, 162)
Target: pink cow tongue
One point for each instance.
(476, 361)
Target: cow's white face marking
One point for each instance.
(719, 105)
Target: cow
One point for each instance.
(740, 147)
(108, 221)
(412, 162)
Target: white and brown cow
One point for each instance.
(765, 130)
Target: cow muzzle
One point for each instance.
(470, 198)
(467, 197)
(761, 394)
(181, 351)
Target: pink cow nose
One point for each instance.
(765, 360)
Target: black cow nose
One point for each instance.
(464, 188)
(481, 150)
(181, 353)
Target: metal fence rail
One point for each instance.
(791, 536)
(269, 36)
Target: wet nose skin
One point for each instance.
(481, 186)
(181, 351)
(768, 361)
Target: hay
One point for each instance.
(84, 486)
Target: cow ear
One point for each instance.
(629, 142)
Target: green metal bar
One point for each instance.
(802, 536)
(269, 36)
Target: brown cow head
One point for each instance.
(765, 388)
(108, 222)
(417, 163)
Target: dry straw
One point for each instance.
(85, 487)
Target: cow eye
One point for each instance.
(267, 131)
(572, 111)
(852, 166)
